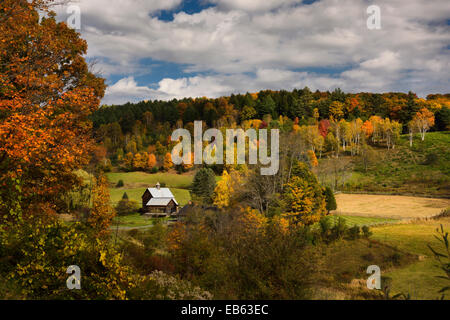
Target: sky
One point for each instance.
(165, 49)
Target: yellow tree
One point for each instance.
(312, 158)
(423, 121)
(226, 187)
(336, 110)
(139, 161)
(190, 156)
(167, 161)
(102, 213)
(128, 161)
(151, 163)
(377, 123)
(304, 197)
(223, 190)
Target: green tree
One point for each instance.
(126, 206)
(330, 199)
(442, 119)
(204, 184)
(248, 113)
(267, 106)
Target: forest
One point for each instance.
(137, 136)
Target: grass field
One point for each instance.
(134, 220)
(364, 221)
(145, 180)
(385, 206)
(418, 279)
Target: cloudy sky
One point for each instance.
(164, 49)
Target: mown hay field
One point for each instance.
(388, 206)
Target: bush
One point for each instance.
(339, 229)
(354, 232)
(120, 184)
(395, 258)
(366, 232)
(161, 286)
(37, 253)
(126, 207)
(155, 170)
(431, 158)
(325, 228)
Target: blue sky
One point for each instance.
(164, 49)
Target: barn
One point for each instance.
(159, 201)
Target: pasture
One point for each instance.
(419, 279)
(144, 180)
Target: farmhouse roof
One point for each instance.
(160, 197)
(161, 193)
(160, 201)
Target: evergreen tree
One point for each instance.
(442, 119)
(267, 106)
(330, 199)
(204, 185)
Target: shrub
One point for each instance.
(395, 258)
(161, 286)
(120, 184)
(38, 252)
(431, 158)
(126, 207)
(339, 229)
(366, 232)
(354, 232)
(133, 233)
(325, 228)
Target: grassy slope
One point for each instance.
(146, 179)
(403, 170)
(134, 220)
(418, 278)
(367, 221)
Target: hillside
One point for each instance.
(421, 170)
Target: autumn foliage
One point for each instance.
(46, 96)
(102, 213)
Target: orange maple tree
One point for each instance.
(47, 93)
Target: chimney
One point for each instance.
(158, 186)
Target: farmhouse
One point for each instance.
(159, 201)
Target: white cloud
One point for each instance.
(277, 41)
(127, 90)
